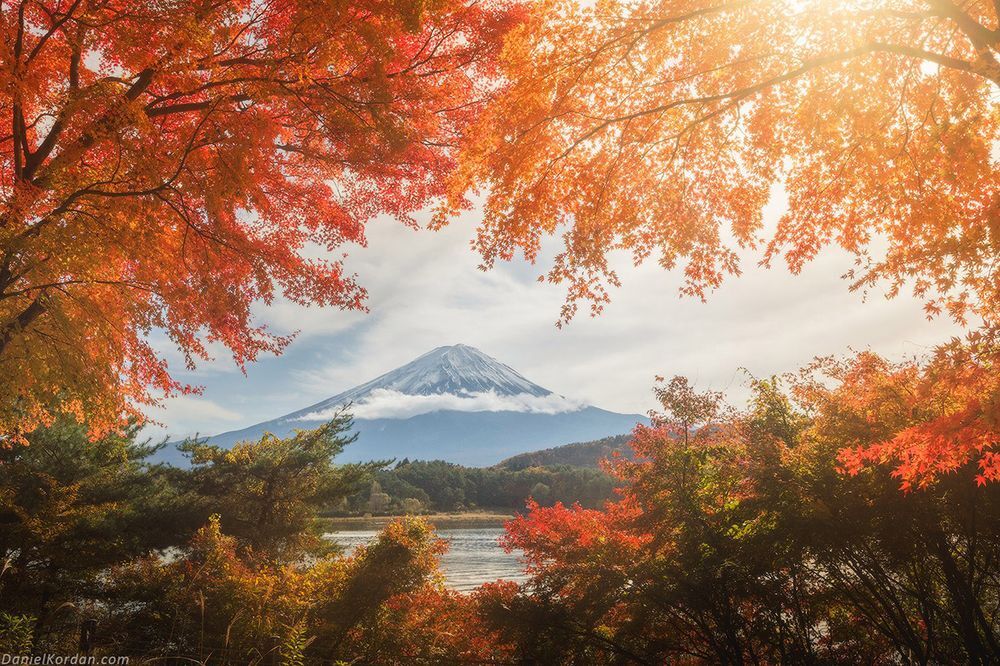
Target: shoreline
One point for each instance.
(441, 520)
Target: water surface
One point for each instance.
(474, 555)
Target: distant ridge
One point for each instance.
(578, 454)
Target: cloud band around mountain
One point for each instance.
(389, 404)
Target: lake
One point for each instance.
(474, 554)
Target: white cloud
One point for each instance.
(389, 404)
(198, 415)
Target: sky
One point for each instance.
(425, 291)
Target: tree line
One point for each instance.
(436, 485)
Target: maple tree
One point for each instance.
(924, 419)
(168, 164)
(660, 128)
(433, 624)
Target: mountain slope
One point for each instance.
(453, 403)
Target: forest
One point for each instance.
(578, 454)
(173, 170)
(427, 486)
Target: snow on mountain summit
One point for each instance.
(456, 377)
(454, 369)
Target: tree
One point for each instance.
(540, 493)
(411, 506)
(378, 501)
(167, 165)
(89, 530)
(433, 625)
(660, 128)
(267, 493)
(70, 508)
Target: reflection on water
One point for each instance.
(474, 555)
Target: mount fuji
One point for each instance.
(453, 403)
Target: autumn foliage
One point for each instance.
(661, 128)
(167, 165)
(924, 420)
(737, 539)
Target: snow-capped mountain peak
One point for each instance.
(455, 369)
(454, 378)
(453, 403)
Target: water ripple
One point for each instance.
(474, 555)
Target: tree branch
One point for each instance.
(982, 37)
(912, 52)
(194, 106)
(142, 81)
(55, 28)
(22, 321)
(805, 67)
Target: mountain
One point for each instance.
(454, 403)
(454, 369)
